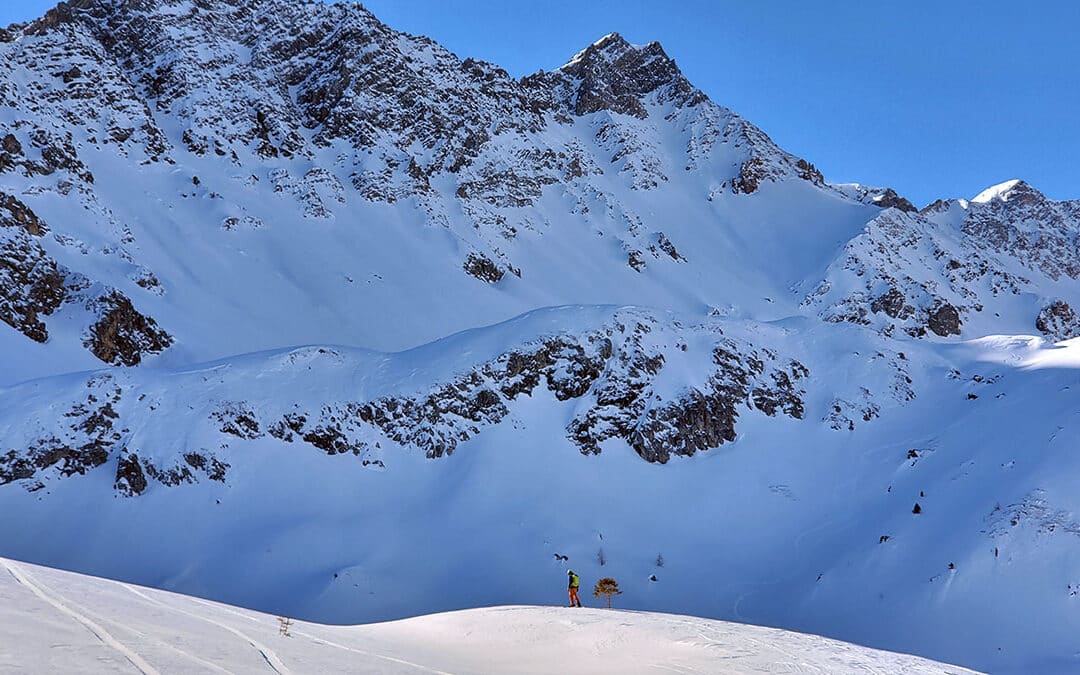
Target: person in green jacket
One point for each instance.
(575, 584)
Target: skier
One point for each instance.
(575, 584)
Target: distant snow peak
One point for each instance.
(1005, 191)
(610, 38)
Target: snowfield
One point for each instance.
(63, 622)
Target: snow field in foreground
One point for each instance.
(63, 622)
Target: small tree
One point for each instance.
(606, 586)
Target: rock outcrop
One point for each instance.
(122, 335)
(32, 285)
(611, 376)
(1058, 321)
(931, 272)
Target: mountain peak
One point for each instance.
(1010, 190)
(616, 75)
(610, 43)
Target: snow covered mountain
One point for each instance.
(309, 315)
(196, 159)
(1007, 261)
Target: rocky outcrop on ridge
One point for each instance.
(610, 375)
(1058, 321)
(928, 273)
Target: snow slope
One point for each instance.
(249, 189)
(62, 622)
(802, 520)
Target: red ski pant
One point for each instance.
(573, 597)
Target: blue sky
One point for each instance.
(937, 99)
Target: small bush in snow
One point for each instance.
(608, 587)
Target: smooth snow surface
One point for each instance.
(999, 191)
(62, 622)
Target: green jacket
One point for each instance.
(575, 581)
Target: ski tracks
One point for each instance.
(106, 638)
(268, 655)
(321, 641)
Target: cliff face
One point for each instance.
(999, 262)
(184, 153)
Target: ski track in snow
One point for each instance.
(269, 655)
(69, 609)
(322, 641)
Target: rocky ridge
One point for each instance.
(928, 273)
(610, 373)
(33, 286)
(329, 105)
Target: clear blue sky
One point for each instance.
(935, 98)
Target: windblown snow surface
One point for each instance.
(62, 622)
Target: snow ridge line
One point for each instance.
(328, 643)
(269, 655)
(100, 633)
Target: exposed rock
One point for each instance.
(808, 171)
(612, 74)
(944, 321)
(890, 199)
(615, 379)
(82, 443)
(130, 479)
(843, 414)
(122, 335)
(19, 215)
(1020, 222)
(932, 278)
(893, 303)
(1058, 321)
(751, 173)
(667, 247)
(481, 267)
(214, 468)
(237, 419)
(11, 145)
(700, 419)
(32, 285)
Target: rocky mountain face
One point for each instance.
(34, 286)
(957, 262)
(612, 371)
(225, 110)
(191, 191)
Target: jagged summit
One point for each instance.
(605, 42)
(616, 75)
